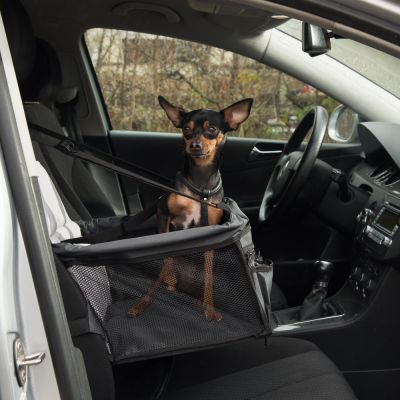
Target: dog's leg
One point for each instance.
(169, 277)
(163, 221)
(137, 310)
(209, 310)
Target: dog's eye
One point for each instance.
(187, 132)
(212, 129)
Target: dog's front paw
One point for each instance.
(211, 314)
(137, 310)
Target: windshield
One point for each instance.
(380, 68)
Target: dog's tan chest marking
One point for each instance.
(185, 213)
(214, 215)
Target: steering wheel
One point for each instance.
(294, 166)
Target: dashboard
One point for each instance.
(379, 177)
(375, 207)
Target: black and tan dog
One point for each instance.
(203, 139)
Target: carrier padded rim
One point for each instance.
(163, 243)
(175, 292)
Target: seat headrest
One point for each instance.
(20, 37)
(43, 84)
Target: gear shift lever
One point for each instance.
(313, 306)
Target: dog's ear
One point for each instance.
(237, 113)
(175, 114)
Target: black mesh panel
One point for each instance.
(174, 319)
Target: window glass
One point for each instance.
(134, 68)
(377, 66)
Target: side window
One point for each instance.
(134, 68)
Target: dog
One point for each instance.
(204, 135)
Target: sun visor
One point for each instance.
(237, 17)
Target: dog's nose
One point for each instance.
(195, 145)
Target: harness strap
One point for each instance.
(204, 194)
(203, 215)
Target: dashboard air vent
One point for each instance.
(386, 174)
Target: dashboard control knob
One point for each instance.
(365, 216)
(369, 286)
(387, 241)
(364, 278)
(368, 230)
(355, 274)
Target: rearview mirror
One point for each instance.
(343, 124)
(316, 40)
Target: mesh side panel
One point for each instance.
(174, 318)
(95, 286)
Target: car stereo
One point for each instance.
(380, 232)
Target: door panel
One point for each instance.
(157, 152)
(245, 174)
(243, 180)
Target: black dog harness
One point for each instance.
(204, 194)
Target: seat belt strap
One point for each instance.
(83, 147)
(75, 149)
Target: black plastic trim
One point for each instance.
(96, 82)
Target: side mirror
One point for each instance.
(343, 125)
(316, 40)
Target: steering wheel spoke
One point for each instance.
(294, 166)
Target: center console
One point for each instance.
(376, 246)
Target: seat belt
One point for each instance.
(97, 157)
(68, 117)
(83, 147)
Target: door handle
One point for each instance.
(256, 153)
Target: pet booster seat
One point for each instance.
(116, 266)
(114, 276)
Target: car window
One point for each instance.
(375, 65)
(134, 68)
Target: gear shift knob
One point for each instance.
(324, 271)
(313, 306)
